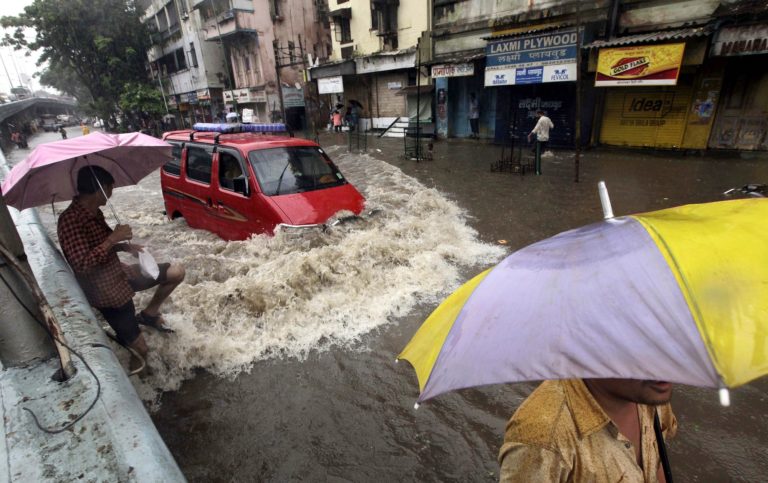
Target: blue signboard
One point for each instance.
(557, 47)
(532, 59)
(529, 75)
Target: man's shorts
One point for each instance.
(123, 322)
(139, 282)
(123, 319)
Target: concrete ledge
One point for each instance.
(116, 440)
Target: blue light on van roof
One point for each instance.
(229, 128)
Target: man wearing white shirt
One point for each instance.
(541, 130)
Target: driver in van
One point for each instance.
(229, 169)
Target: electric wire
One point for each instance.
(77, 354)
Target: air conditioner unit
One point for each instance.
(228, 15)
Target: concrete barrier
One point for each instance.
(116, 440)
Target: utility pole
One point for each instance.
(577, 157)
(308, 112)
(418, 99)
(10, 82)
(276, 47)
(230, 72)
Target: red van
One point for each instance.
(238, 180)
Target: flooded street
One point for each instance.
(282, 367)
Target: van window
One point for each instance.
(199, 160)
(174, 166)
(229, 169)
(288, 170)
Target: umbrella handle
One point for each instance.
(109, 203)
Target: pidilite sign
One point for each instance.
(532, 59)
(639, 65)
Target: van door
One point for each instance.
(196, 188)
(242, 211)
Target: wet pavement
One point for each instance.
(343, 410)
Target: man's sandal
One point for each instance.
(156, 322)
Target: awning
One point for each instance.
(528, 29)
(651, 37)
(341, 13)
(466, 57)
(413, 90)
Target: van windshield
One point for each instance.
(282, 171)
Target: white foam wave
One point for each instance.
(287, 295)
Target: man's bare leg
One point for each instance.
(140, 346)
(174, 277)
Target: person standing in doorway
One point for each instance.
(541, 130)
(337, 120)
(474, 116)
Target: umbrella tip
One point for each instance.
(605, 200)
(415, 405)
(725, 397)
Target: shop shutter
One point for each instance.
(645, 116)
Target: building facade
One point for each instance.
(374, 61)
(698, 81)
(190, 72)
(267, 45)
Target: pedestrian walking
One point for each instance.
(63, 132)
(541, 130)
(84, 127)
(474, 116)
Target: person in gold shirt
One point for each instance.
(596, 430)
(85, 128)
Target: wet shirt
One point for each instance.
(560, 433)
(541, 130)
(99, 271)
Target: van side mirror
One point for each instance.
(240, 185)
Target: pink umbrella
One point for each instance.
(49, 173)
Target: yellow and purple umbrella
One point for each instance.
(679, 295)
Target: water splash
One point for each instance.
(305, 290)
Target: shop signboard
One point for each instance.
(330, 85)
(245, 96)
(532, 59)
(192, 97)
(744, 40)
(203, 95)
(452, 70)
(293, 97)
(654, 65)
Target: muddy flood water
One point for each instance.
(283, 367)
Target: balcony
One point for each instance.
(236, 4)
(229, 22)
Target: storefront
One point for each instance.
(741, 120)
(250, 104)
(441, 73)
(533, 72)
(659, 95)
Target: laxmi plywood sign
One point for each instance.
(654, 65)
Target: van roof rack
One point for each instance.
(236, 128)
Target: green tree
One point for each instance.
(94, 48)
(141, 102)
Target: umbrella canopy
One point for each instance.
(49, 173)
(679, 295)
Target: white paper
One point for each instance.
(148, 265)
